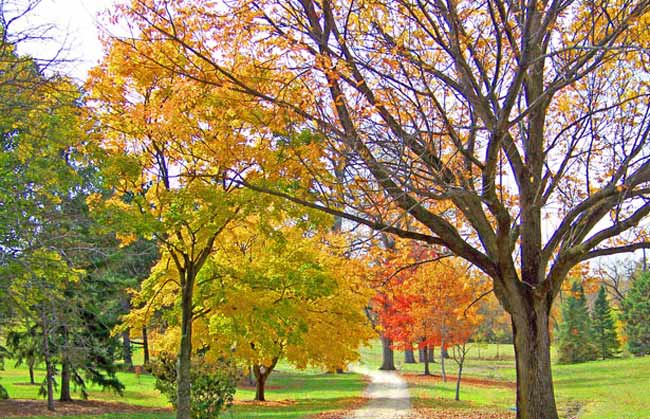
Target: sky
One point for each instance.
(76, 29)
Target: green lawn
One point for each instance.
(612, 389)
(297, 394)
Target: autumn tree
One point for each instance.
(510, 112)
(272, 292)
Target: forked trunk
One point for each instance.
(262, 373)
(535, 396)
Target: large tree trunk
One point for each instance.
(421, 354)
(184, 379)
(65, 395)
(388, 358)
(409, 356)
(535, 395)
(430, 354)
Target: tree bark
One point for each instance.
(460, 373)
(184, 379)
(426, 361)
(442, 359)
(145, 346)
(65, 395)
(421, 355)
(260, 381)
(535, 395)
(388, 358)
(262, 373)
(31, 372)
(409, 356)
(430, 354)
(49, 370)
(126, 350)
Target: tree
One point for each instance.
(508, 112)
(603, 327)
(636, 315)
(25, 346)
(270, 293)
(576, 341)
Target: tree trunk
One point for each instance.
(409, 356)
(460, 373)
(262, 373)
(31, 372)
(426, 361)
(260, 381)
(388, 358)
(145, 346)
(535, 395)
(421, 355)
(126, 350)
(442, 360)
(430, 354)
(184, 379)
(49, 370)
(65, 395)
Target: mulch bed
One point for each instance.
(422, 379)
(14, 408)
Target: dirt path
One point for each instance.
(388, 394)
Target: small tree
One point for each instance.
(576, 342)
(636, 315)
(604, 329)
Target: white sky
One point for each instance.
(76, 30)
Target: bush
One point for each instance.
(213, 384)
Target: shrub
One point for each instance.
(213, 384)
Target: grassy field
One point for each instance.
(612, 389)
(291, 394)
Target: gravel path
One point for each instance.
(388, 394)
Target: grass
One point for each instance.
(611, 389)
(293, 394)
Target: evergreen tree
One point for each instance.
(604, 330)
(636, 315)
(575, 337)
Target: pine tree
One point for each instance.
(604, 330)
(575, 337)
(636, 315)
